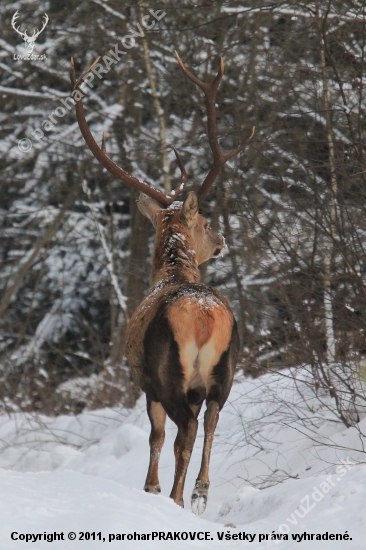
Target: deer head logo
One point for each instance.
(29, 40)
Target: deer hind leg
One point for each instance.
(179, 440)
(187, 423)
(218, 392)
(200, 491)
(157, 416)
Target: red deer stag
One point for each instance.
(182, 341)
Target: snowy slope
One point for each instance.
(85, 474)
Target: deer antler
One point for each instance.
(219, 158)
(13, 21)
(102, 157)
(24, 35)
(36, 32)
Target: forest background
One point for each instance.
(75, 252)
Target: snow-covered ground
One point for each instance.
(280, 463)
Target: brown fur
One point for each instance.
(182, 342)
(202, 333)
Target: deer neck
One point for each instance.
(174, 259)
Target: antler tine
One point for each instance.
(17, 29)
(183, 175)
(219, 158)
(46, 19)
(203, 85)
(104, 143)
(15, 17)
(36, 32)
(100, 154)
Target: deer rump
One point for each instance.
(182, 346)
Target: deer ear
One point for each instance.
(190, 209)
(148, 207)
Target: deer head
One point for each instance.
(184, 238)
(29, 40)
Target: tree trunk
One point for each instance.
(329, 245)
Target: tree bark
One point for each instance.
(329, 246)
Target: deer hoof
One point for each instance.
(153, 489)
(199, 497)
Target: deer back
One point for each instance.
(182, 328)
